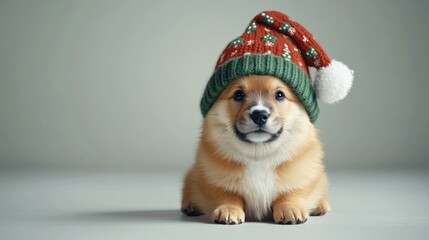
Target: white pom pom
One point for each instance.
(333, 82)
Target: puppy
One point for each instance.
(259, 158)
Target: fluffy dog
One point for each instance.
(259, 158)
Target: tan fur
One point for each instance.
(283, 180)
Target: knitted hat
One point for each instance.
(275, 45)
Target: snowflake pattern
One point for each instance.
(250, 42)
(291, 31)
(304, 39)
(233, 53)
(297, 50)
(317, 63)
(267, 19)
(269, 44)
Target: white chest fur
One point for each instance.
(258, 188)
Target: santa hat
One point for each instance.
(275, 45)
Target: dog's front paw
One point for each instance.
(228, 215)
(290, 215)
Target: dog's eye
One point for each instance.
(238, 95)
(280, 96)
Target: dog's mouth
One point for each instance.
(257, 136)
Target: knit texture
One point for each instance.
(260, 64)
(273, 44)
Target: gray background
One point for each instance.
(99, 117)
(116, 84)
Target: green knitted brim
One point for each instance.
(261, 64)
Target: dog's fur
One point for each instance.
(278, 175)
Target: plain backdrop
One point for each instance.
(117, 84)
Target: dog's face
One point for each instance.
(257, 108)
(255, 117)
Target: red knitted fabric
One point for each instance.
(274, 33)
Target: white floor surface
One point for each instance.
(145, 205)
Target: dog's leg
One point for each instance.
(294, 207)
(188, 207)
(322, 206)
(229, 209)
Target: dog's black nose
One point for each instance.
(259, 117)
